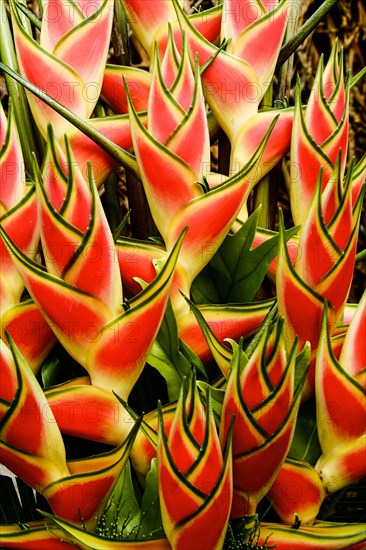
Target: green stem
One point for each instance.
(357, 77)
(28, 13)
(18, 5)
(285, 73)
(120, 155)
(263, 190)
(16, 92)
(361, 256)
(110, 198)
(292, 45)
(142, 224)
(123, 53)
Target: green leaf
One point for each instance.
(305, 444)
(204, 289)
(150, 518)
(59, 367)
(162, 363)
(166, 357)
(121, 518)
(236, 272)
(193, 359)
(126, 519)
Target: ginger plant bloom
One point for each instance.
(18, 217)
(262, 394)
(234, 81)
(318, 133)
(340, 392)
(195, 475)
(80, 292)
(341, 427)
(69, 61)
(324, 266)
(171, 169)
(75, 489)
(68, 65)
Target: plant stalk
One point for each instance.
(120, 155)
(291, 46)
(16, 92)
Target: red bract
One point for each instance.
(325, 263)
(341, 392)
(68, 63)
(321, 536)
(18, 214)
(19, 219)
(319, 132)
(195, 477)
(81, 295)
(74, 489)
(261, 393)
(150, 26)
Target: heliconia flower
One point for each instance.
(76, 239)
(340, 393)
(18, 216)
(68, 63)
(235, 81)
(320, 536)
(319, 133)
(168, 140)
(195, 475)
(261, 393)
(75, 489)
(208, 215)
(37, 452)
(324, 268)
(81, 295)
(18, 210)
(245, 23)
(297, 489)
(150, 25)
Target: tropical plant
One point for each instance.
(189, 373)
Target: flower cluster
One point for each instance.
(154, 392)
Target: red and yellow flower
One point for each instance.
(195, 475)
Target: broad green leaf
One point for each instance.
(121, 518)
(305, 444)
(236, 272)
(161, 362)
(166, 356)
(150, 519)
